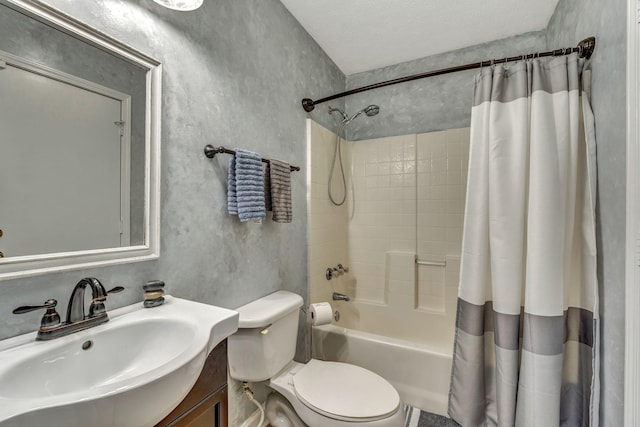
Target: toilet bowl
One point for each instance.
(338, 395)
(316, 394)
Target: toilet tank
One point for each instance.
(266, 338)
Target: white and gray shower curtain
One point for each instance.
(526, 346)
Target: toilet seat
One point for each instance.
(345, 392)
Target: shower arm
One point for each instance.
(584, 49)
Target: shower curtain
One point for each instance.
(526, 345)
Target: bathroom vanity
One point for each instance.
(206, 403)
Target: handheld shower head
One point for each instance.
(372, 110)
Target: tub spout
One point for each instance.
(340, 297)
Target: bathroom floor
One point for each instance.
(418, 418)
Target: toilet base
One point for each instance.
(280, 413)
(283, 384)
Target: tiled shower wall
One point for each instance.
(408, 196)
(406, 200)
(443, 159)
(327, 243)
(383, 206)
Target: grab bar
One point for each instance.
(431, 263)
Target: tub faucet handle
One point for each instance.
(343, 269)
(336, 271)
(329, 273)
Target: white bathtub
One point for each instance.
(419, 372)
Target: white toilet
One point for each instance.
(317, 393)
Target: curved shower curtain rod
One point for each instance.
(585, 49)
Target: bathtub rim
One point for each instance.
(395, 342)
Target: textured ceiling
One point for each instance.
(361, 35)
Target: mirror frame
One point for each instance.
(632, 235)
(26, 266)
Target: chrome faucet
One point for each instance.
(50, 325)
(340, 297)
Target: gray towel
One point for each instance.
(267, 187)
(281, 190)
(249, 185)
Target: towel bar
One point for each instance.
(210, 151)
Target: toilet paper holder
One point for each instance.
(320, 313)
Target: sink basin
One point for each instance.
(129, 372)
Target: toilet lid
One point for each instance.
(345, 392)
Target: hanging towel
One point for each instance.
(249, 185)
(232, 200)
(281, 190)
(267, 187)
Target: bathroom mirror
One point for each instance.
(79, 145)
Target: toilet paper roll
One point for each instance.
(321, 313)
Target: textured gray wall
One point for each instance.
(427, 105)
(572, 21)
(234, 74)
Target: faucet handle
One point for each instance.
(48, 304)
(110, 291)
(51, 317)
(97, 305)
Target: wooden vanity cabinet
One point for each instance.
(206, 403)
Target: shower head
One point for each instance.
(372, 110)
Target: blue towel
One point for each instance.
(232, 200)
(249, 185)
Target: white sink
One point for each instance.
(138, 367)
